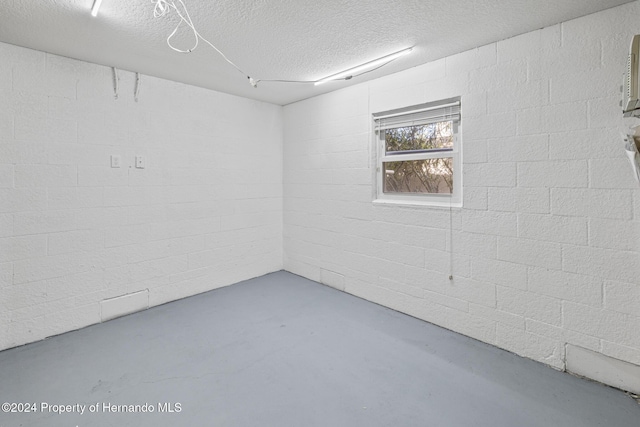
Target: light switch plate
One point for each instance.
(115, 161)
(141, 162)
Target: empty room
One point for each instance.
(320, 213)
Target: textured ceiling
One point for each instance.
(276, 39)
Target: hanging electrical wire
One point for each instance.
(136, 89)
(114, 73)
(164, 7)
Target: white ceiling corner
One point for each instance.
(271, 39)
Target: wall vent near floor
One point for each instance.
(124, 304)
(331, 278)
(607, 370)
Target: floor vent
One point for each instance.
(123, 305)
(607, 370)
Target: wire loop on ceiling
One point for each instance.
(164, 7)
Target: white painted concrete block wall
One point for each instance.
(545, 251)
(206, 212)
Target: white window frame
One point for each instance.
(443, 200)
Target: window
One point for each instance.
(418, 159)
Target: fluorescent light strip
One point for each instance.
(96, 7)
(365, 66)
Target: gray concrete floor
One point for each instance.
(280, 351)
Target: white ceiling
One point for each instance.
(276, 39)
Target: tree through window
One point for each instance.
(418, 153)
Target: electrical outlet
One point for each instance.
(141, 162)
(115, 161)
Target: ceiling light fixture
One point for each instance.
(347, 74)
(96, 7)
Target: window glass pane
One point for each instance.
(434, 136)
(419, 176)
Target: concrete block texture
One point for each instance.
(545, 251)
(74, 231)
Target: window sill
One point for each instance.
(416, 203)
